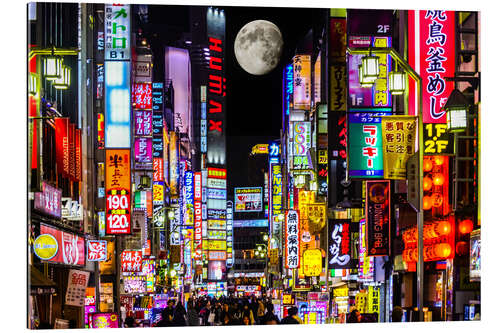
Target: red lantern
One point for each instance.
(427, 183)
(427, 165)
(438, 179)
(462, 248)
(465, 226)
(437, 200)
(427, 201)
(443, 228)
(439, 160)
(443, 250)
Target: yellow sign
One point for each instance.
(260, 149)
(287, 299)
(316, 215)
(373, 300)
(45, 246)
(274, 256)
(158, 192)
(312, 262)
(398, 139)
(216, 245)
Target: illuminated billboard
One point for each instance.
(118, 191)
(117, 101)
(248, 199)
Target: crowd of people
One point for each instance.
(206, 311)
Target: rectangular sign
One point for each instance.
(198, 221)
(216, 183)
(70, 247)
(131, 261)
(104, 320)
(157, 96)
(366, 262)
(97, 250)
(49, 200)
(431, 52)
(143, 123)
(117, 121)
(158, 172)
(142, 96)
(301, 136)
(339, 244)
(398, 138)
(302, 82)
(77, 284)
(62, 145)
(437, 140)
(118, 191)
(292, 240)
(248, 199)
(117, 41)
(197, 186)
(378, 219)
(143, 150)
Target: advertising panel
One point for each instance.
(437, 140)
(302, 82)
(49, 200)
(197, 242)
(431, 52)
(229, 234)
(142, 96)
(131, 261)
(100, 130)
(301, 136)
(398, 138)
(143, 123)
(157, 122)
(197, 186)
(158, 171)
(475, 256)
(339, 244)
(117, 104)
(62, 145)
(157, 96)
(312, 262)
(78, 155)
(97, 250)
(143, 150)
(174, 172)
(104, 320)
(70, 248)
(366, 262)
(216, 89)
(117, 41)
(287, 89)
(248, 199)
(365, 145)
(134, 284)
(77, 284)
(378, 219)
(107, 267)
(277, 189)
(292, 240)
(117, 191)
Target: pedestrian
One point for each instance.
(354, 317)
(261, 312)
(167, 314)
(205, 313)
(179, 317)
(270, 318)
(129, 322)
(397, 314)
(192, 315)
(246, 320)
(292, 317)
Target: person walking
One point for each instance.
(192, 315)
(354, 317)
(167, 315)
(179, 317)
(292, 317)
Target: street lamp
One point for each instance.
(63, 81)
(456, 111)
(370, 67)
(52, 67)
(397, 82)
(364, 82)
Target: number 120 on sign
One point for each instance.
(117, 214)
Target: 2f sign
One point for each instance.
(383, 29)
(436, 139)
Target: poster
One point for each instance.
(77, 284)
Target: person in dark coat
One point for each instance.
(354, 317)
(192, 315)
(167, 315)
(179, 318)
(290, 318)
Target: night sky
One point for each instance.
(254, 103)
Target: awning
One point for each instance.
(39, 283)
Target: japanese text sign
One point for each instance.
(365, 145)
(117, 191)
(70, 247)
(431, 51)
(77, 284)
(437, 140)
(366, 263)
(104, 320)
(277, 189)
(312, 262)
(117, 32)
(292, 241)
(142, 96)
(158, 172)
(339, 244)
(302, 82)
(248, 199)
(49, 200)
(143, 150)
(301, 134)
(398, 137)
(131, 261)
(378, 220)
(62, 145)
(143, 123)
(96, 250)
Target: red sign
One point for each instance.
(197, 186)
(62, 145)
(217, 173)
(78, 154)
(131, 261)
(72, 160)
(71, 248)
(96, 250)
(158, 169)
(431, 45)
(197, 230)
(117, 191)
(142, 96)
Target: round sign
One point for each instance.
(45, 246)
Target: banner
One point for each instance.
(62, 145)
(96, 250)
(431, 52)
(77, 284)
(378, 219)
(142, 96)
(117, 191)
(398, 138)
(302, 82)
(339, 244)
(143, 150)
(117, 32)
(292, 241)
(143, 123)
(49, 200)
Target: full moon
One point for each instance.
(258, 47)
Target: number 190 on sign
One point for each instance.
(117, 214)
